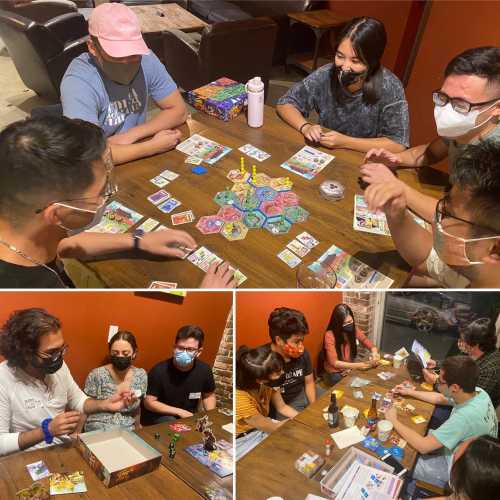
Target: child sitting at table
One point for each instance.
(339, 345)
(259, 374)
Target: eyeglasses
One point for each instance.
(442, 213)
(190, 350)
(459, 105)
(54, 355)
(110, 189)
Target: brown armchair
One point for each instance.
(41, 51)
(238, 50)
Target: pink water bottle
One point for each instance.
(255, 91)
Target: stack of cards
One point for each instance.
(164, 178)
(254, 152)
(117, 219)
(163, 201)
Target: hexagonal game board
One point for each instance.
(254, 202)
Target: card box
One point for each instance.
(118, 455)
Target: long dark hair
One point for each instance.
(476, 474)
(339, 314)
(258, 363)
(368, 38)
(126, 336)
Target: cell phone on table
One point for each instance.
(399, 470)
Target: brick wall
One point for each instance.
(363, 307)
(223, 367)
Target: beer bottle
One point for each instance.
(372, 415)
(333, 412)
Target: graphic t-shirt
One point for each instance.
(87, 94)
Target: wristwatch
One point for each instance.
(137, 235)
(45, 428)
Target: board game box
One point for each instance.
(118, 455)
(224, 98)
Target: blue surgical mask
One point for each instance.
(184, 358)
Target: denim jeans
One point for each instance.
(432, 468)
(332, 378)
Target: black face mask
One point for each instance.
(347, 78)
(50, 366)
(121, 362)
(277, 382)
(348, 328)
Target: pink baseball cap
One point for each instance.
(117, 28)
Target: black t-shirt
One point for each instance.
(295, 372)
(177, 388)
(16, 276)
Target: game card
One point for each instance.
(193, 160)
(238, 276)
(298, 248)
(418, 419)
(169, 206)
(367, 221)
(199, 256)
(203, 148)
(38, 470)
(308, 162)
(169, 175)
(179, 427)
(254, 152)
(117, 219)
(148, 225)
(162, 284)
(308, 240)
(158, 197)
(61, 484)
(182, 218)
(290, 259)
(161, 228)
(338, 393)
(159, 181)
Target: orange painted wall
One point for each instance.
(253, 309)
(86, 317)
(452, 27)
(392, 13)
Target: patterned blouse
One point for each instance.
(351, 115)
(101, 385)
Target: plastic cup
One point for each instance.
(384, 430)
(397, 361)
(324, 277)
(350, 416)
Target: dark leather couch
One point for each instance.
(213, 11)
(41, 51)
(220, 52)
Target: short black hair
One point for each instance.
(481, 333)
(462, 371)
(477, 170)
(476, 474)
(46, 159)
(284, 322)
(20, 335)
(126, 336)
(190, 332)
(481, 61)
(254, 364)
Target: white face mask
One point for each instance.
(450, 123)
(97, 216)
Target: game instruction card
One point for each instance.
(351, 273)
(367, 221)
(254, 152)
(117, 218)
(203, 148)
(308, 162)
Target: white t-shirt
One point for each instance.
(443, 273)
(26, 401)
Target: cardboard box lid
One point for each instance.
(118, 449)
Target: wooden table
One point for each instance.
(255, 256)
(184, 466)
(320, 21)
(269, 469)
(161, 483)
(156, 18)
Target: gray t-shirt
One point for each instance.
(351, 115)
